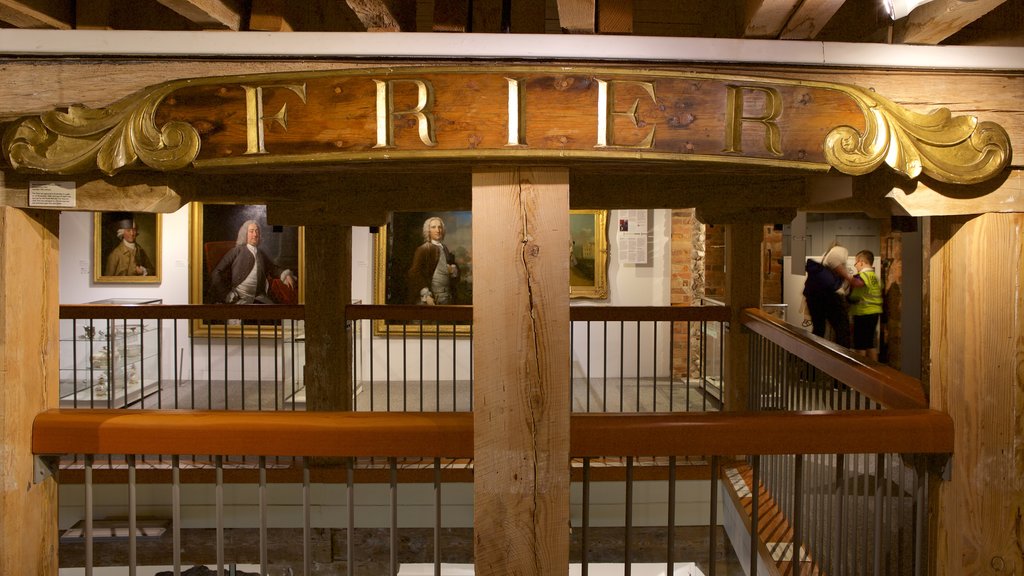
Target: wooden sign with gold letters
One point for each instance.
(507, 114)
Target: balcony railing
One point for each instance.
(404, 358)
(833, 459)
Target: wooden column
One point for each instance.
(521, 372)
(977, 377)
(742, 290)
(328, 289)
(29, 346)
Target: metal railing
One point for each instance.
(329, 451)
(213, 357)
(848, 514)
(404, 358)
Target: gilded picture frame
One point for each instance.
(114, 261)
(395, 253)
(588, 254)
(216, 230)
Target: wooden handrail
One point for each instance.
(649, 313)
(887, 386)
(251, 433)
(409, 313)
(451, 434)
(182, 312)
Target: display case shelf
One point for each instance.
(108, 363)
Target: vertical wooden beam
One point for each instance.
(977, 377)
(521, 372)
(742, 290)
(328, 289)
(29, 346)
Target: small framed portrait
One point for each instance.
(126, 248)
(424, 259)
(229, 242)
(588, 253)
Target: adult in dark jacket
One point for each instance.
(823, 290)
(243, 275)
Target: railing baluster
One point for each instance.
(713, 524)
(437, 517)
(350, 521)
(307, 531)
(133, 560)
(88, 515)
(585, 529)
(219, 506)
(262, 491)
(755, 505)
(176, 513)
(798, 494)
(629, 517)
(393, 484)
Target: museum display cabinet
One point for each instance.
(109, 363)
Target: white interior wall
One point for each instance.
(629, 285)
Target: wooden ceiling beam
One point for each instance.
(615, 17)
(935, 21)
(56, 14)
(385, 15)
(269, 16)
(577, 16)
(809, 19)
(211, 14)
(451, 16)
(766, 18)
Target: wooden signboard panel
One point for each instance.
(511, 114)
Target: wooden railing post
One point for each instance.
(328, 289)
(29, 346)
(521, 372)
(743, 290)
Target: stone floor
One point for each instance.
(372, 549)
(612, 394)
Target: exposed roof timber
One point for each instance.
(577, 16)
(212, 14)
(451, 16)
(766, 18)
(56, 14)
(268, 15)
(385, 15)
(809, 19)
(615, 17)
(935, 21)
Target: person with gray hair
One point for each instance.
(128, 258)
(243, 275)
(433, 276)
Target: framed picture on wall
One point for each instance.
(588, 254)
(226, 242)
(409, 268)
(126, 248)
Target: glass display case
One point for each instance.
(108, 363)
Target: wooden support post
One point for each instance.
(521, 372)
(977, 377)
(29, 346)
(328, 289)
(742, 290)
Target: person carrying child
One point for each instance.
(866, 305)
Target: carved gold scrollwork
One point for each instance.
(108, 139)
(958, 150)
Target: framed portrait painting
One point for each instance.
(126, 248)
(588, 253)
(424, 258)
(229, 241)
